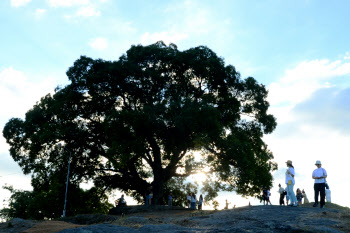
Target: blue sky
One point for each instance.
(298, 49)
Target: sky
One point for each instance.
(298, 49)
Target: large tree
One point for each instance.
(136, 122)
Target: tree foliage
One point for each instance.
(48, 204)
(136, 122)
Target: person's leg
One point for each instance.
(281, 199)
(288, 196)
(316, 194)
(322, 188)
(293, 198)
(146, 200)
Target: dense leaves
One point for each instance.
(135, 123)
(48, 203)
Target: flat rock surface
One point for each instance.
(243, 219)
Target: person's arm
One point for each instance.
(318, 177)
(291, 173)
(324, 173)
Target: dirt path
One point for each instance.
(51, 227)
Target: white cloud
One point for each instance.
(193, 18)
(39, 12)
(86, 8)
(68, 3)
(19, 94)
(299, 83)
(88, 11)
(19, 3)
(347, 56)
(99, 43)
(166, 37)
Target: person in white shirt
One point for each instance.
(319, 175)
(282, 194)
(290, 181)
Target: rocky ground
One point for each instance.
(162, 219)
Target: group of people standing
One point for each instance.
(192, 201)
(319, 175)
(300, 195)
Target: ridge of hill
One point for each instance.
(334, 218)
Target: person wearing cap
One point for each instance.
(290, 181)
(319, 175)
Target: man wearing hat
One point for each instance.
(319, 175)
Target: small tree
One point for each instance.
(215, 204)
(40, 204)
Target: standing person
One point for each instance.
(319, 175)
(170, 199)
(287, 196)
(226, 205)
(148, 193)
(282, 194)
(200, 202)
(189, 200)
(193, 201)
(290, 181)
(122, 200)
(150, 197)
(265, 196)
(299, 196)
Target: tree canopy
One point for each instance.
(138, 121)
(47, 203)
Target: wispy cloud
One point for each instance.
(189, 20)
(19, 93)
(166, 37)
(68, 3)
(99, 43)
(88, 11)
(301, 82)
(19, 3)
(40, 13)
(190, 16)
(347, 56)
(85, 8)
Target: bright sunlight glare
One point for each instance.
(199, 177)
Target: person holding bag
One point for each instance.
(319, 175)
(290, 181)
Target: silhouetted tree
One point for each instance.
(135, 123)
